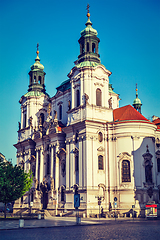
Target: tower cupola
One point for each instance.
(137, 102)
(89, 43)
(37, 75)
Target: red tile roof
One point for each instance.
(127, 113)
(157, 121)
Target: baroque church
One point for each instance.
(81, 140)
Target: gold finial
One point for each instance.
(88, 14)
(136, 87)
(37, 49)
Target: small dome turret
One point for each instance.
(137, 102)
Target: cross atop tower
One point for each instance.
(37, 48)
(88, 8)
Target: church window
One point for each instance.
(48, 164)
(76, 163)
(39, 79)
(98, 97)
(126, 171)
(100, 162)
(78, 98)
(93, 47)
(100, 137)
(158, 164)
(25, 120)
(60, 112)
(39, 158)
(82, 47)
(34, 79)
(87, 46)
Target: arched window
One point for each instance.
(98, 97)
(76, 163)
(78, 98)
(100, 162)
(93, 47)
(60, 112)
(126, 171)
(82, 47)
(87, 46)
(25, 120)
(34, 79)
(39, 79)
(48, 164)
(158, 164)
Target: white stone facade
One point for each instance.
(73, 139)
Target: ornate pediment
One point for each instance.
(100, 149)
(124, 155)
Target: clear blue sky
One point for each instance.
(129, 31)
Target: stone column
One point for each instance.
(73, 95)
(80, 163)
(51, 173)
(67, 166)
(57, 179)
(36, 164)
(41, 165)
(72, 166)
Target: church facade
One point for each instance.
(80, 139)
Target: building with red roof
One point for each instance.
(80, 141)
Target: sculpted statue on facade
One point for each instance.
(30, 121)
(110, 102)
(69, 105)
(55, 114)
(52, 184)
(86, 97)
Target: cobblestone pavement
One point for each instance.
(48, 222)
(58, 221)
(137, 230)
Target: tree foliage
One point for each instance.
(14, 182)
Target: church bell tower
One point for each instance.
(89, 43)
(37, 75)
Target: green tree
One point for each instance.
(14, 182)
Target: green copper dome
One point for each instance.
(137, 101)
(37, 65)
(89, 30)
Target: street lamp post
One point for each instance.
(99, 202)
